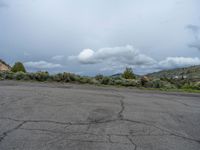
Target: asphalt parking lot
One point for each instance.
(55, 116)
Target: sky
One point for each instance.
(90, 37)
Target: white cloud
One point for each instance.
(57, 57)
(87, 57)
(177, 62)
(117, 58)
(126, 55)
(41, 65)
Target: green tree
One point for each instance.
(128, 74)
(18, 66)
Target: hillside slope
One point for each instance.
(4, 66)
(188, 72)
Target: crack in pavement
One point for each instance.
(187, 105)
(120, 117)
(120, 114)
(130, 139)
(6, 133)
(180, 102)
(109, 138)
(93, 141)
(79, 134)
(89, 133)
(165, 130)
(89, 123)
(109, 135)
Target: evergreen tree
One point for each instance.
(18, 66)
(128, 74)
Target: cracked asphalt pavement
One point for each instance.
(55, 116)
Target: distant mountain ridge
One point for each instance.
(116, 75)
(186, 72)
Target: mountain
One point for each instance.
(116, 75)
(192, 72)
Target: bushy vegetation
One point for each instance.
(128, 79)
(178, 73)
(144, 80)
(18, 67)
(128, 74)
(187, 79)
(157, 83)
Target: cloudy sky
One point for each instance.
(100, 36)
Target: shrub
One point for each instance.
(77, 78)
(118, 82)
(94, 81)
(27, 77)
(128, 74)
(99, 77)
(194, 86)
(144, 80)
(72, 77)
(19, 75)
(84, 80)
(129, 82)
(8, 75)
(57, 77)
(105, 80)
(157, 83)
(168, 85)
(111, 81)
(18, 66)
(68, 77)
(3, 75)
(41, 76)
(31, 76)
(65, 77)
(197, 85)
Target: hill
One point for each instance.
(4, 66)
(192, 72)
(116, 75)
